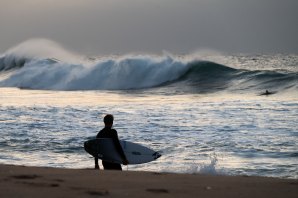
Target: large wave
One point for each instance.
(205, 76)
(43, 64)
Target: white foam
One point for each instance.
(205, 168)
(40, 48)
(209, 168)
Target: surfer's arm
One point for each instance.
(119, 147)
(120, 150)
(95, 158)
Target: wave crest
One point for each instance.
(43, 64)
(33, 49)
(130, 72)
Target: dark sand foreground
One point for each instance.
(20, 181)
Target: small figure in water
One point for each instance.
(266, 93)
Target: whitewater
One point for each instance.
(204, 112)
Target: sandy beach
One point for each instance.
(21, 181)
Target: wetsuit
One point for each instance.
(108, 132)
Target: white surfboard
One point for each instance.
(104, 149)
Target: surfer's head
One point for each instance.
(108, 120)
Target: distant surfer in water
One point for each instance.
(266, 93)
(108, 132)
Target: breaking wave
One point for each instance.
(43, 64)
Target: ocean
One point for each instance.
(204, 112)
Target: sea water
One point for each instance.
(203, 112)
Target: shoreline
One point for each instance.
(23, 181)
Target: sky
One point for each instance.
(178, 26)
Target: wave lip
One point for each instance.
(135, 72)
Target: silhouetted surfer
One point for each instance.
(108, 132)
(266, 93)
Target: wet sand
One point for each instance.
(21, 181)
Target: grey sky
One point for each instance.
(178, 26)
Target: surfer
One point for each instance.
(266, 93)
(108, 132)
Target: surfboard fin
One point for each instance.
(156, 155)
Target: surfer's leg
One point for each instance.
(111, 166)
(96, 163)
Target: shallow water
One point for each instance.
(210, 133)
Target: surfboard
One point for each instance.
(104, 149)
